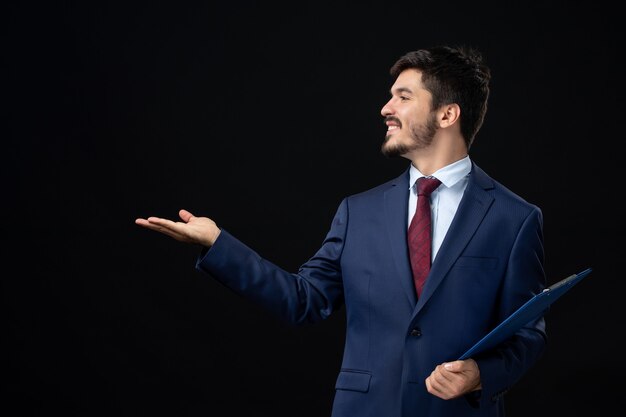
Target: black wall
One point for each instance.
(263, 117)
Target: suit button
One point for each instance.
(416, 332)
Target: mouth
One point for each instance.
(392, 124)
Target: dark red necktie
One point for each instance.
(420, 231)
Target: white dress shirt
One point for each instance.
(445, 200)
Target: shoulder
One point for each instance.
(503, 195)
(400, 182)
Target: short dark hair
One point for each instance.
(453, 75)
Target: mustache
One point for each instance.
(393, 119)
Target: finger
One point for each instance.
(442, 375)
(434, 387)
(438, 380)
(160, 221)
(171, 233)
(429, 385)
(164, 227)
(153, 223)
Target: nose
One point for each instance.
(387, 110)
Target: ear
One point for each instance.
(449, 115)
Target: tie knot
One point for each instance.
(426, 185)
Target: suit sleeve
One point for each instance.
(306, 296)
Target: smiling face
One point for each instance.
(411, 124)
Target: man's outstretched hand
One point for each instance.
(197, 230)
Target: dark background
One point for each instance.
(263, 117)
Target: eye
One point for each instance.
(403, 98)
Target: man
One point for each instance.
(403, 338)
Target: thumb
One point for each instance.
(455, 366)
(185, 215)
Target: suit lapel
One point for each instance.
(472, 209)
(396, 212)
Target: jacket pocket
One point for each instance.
(353, 380)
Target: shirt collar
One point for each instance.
(448, 175)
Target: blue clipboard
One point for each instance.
(529, 311)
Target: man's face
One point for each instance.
(411, 125)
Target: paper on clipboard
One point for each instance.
(529, 311)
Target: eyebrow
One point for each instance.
(400, 90)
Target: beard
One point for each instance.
(421, 135)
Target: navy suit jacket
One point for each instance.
(489, 264)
